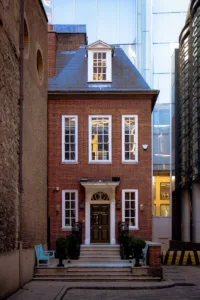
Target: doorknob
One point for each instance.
(99, 227)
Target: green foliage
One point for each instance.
(61, 246)
(125, 239)
(73, 247)
(137, 243)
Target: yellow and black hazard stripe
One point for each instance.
(183, 257)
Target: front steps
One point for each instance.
(100, 253)
(96, 263)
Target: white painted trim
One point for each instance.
(112, 222)
(136, 138)
(109, 139)
(136, 206)
(88, 196)
(63, 139)
(108, 64)
(63, 207)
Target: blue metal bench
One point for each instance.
(43, 256)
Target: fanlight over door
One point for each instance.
(100, 196)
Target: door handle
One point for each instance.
(99, 227)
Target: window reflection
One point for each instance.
(100, 138)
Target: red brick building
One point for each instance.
(99, 145)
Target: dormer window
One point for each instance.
(99, 62)
(99, 66)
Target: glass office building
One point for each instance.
(148, 31)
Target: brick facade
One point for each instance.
(61, 42)
(70, 41)
(67, 176)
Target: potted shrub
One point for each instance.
(125, 244)
(137, 244)
(61, 247)
(73, 246)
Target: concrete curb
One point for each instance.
(115, 286)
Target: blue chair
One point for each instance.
(43, 256)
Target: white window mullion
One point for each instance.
(75, 160)
(100, 156)
(129, 207)
(134, 139)
(64, 192)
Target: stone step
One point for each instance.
(99, 251)
(100, 248)
(87, 269)
(97, 256)
(100, 259)
(86, 273)
(91, 278)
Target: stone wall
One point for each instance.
(9, 124)
(34, 207)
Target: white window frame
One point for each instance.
(109, 139)
(63, 207)
(136, 139)
(108, 65)
(136, 207)
(63, 139)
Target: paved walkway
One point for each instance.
(183, 283)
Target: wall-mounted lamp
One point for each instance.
(57, 208)
(118, 204)
(145, 146)
(141, 207)
(54, 188)
(82, 204)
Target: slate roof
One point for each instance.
(69, 28)
(72, 74)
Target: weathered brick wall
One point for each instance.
(61, 41)
(70, 41)
(67, 176)
(34, 208)
(9, 124)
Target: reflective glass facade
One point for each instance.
(48, 5)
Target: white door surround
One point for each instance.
(92, 187)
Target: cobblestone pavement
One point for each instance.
(186, 278)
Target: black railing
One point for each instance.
(77, 231)
(123, 229)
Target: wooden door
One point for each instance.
(99, 223)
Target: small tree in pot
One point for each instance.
(61, 246)
(137, 244)
(73, 246)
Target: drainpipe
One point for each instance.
(21, 118)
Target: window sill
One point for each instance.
(133, 228)
(130, 162)
(99, 81)
(69, 162)
(67, 228)
(100, 162)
